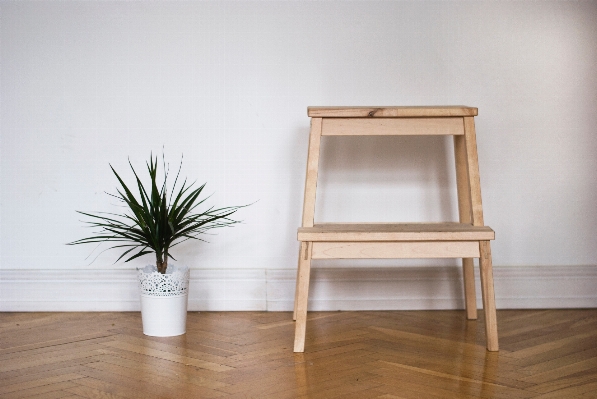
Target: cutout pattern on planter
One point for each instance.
(169, 284)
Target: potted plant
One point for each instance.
(154, 222)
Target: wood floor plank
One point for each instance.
(54, 395)
(553, 362)
(37, 391)
(20, 386)
(147, 362)
(433, 342)
(562, 371)
(107, 387)
(146, 351)
(285, 323)
(371, 393)
(49, 351)
(404, 387)
(32, 361)
(578, 379)
(175, 345)
(343, 390)
(426, 384)
(541, 333)
(91, 393)
(57, 326)
(180, 375)
(131, 386)
(24, 376)
(445, 380)
(44, 370)
(404, 354)
(463, 364)
(522, 324)
(193, 339)
(154, 378)
(51, 344)
(550, 346)
(571, 392)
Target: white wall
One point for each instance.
(87, 84)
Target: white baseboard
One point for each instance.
(523, 287)
(401, 288)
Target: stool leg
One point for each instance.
(465, 216)
(488, 296)
(470, 296)
(300, 327)
(296, 288)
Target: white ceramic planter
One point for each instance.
(164, 299)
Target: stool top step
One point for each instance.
(448, 231)
(391, 112)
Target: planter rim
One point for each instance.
(172, 284)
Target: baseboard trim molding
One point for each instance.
(403, 288)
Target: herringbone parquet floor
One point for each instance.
(418, 354)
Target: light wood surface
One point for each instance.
(448, 231)
(473, 171)
(298, 275)
(312, 171)
(391, 112)
(395, 250)
(391, 126)
(465, 216)
(485, 261)
(302, 296)
(470, 294)
(462, 181)
(383, 354)
(488, 294)
(467, 239)
(304, 263)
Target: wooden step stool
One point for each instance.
(467, 239)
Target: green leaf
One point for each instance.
(152, 223)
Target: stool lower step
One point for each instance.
(394, 250)
(448, 231)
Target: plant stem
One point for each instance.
(162, 266)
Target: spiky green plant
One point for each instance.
(154, 223)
